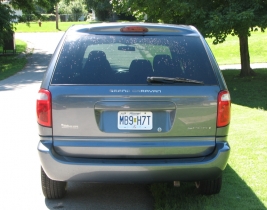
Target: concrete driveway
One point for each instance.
(20, 167)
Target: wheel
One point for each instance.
(52, 189)
(209, 187)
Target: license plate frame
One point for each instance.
(135, 120)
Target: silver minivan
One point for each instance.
(133, 102)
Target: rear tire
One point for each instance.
(52, 189)
(210, 187)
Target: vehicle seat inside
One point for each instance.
(139, 70)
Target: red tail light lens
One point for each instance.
(43, 108)
(224, 109)
(134, 29)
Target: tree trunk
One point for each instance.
(245, 59)
(57, 16)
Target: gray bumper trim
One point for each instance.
(132, 170)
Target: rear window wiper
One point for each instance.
(172, 80)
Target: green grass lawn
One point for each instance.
(11, 64)
(46, 26)
(244, 180)
(228, 52)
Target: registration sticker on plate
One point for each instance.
(135, 120)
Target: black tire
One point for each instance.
(210, 187)
(52, 189)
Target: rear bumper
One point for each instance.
(132, 170)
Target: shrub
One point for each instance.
(48, 17)
(27, 18)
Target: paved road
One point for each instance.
(20, 168)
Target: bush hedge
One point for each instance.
(32, 17)
(48, 17)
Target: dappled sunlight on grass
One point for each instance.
(11, 64)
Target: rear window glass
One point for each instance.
(102, 59)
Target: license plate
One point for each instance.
(135, 120)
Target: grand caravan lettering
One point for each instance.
(146, 91)
(133, 91)
(119, 91)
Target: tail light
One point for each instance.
(43, 108)
(224, 109)
(134, 29)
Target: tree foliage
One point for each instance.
(215, 19)
(76, 8)
(63, 8)
(6, 25)
(102, 8)
(29, 6)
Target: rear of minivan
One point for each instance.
(133, 103)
